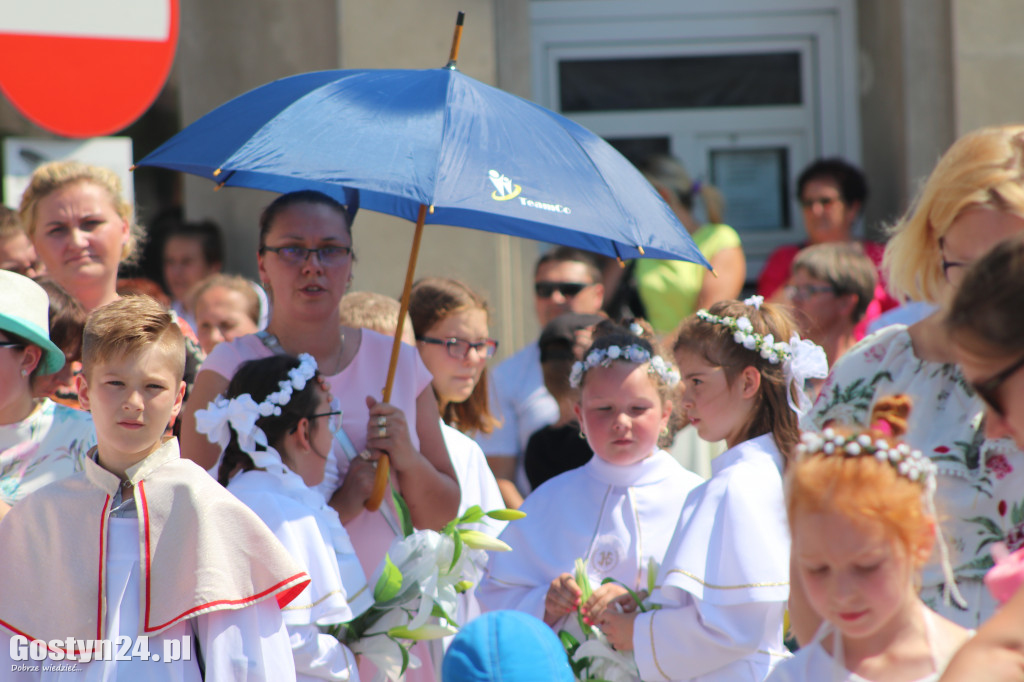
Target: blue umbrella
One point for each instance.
(476, 156)
(437, 147)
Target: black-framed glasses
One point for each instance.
(297, 255)
(987, 389)
(325, 414)
(333, 424)
(948, 265)
(802, 292)
(459, 348)
(11, 344)
(566, 289)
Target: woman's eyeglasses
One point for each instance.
(802, 292)
(987, 389)
(11, 344)
(459, 348)
(298, 255)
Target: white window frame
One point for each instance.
(823, 32)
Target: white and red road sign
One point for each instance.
(84, 68)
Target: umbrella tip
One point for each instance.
(622, 263)
(431, 209)
(218, 172)
(713, 272)
(640, 249)
(453, 57)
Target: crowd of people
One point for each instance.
(812, 482)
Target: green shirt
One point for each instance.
(669, 288)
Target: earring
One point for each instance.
(582, 435)
(24, 373)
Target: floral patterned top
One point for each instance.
(49, 444)
(980, 496)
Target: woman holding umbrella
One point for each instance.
(305, 263)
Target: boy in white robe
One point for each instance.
(142, 549)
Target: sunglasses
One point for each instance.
(987, 389)
(459, 348)
(566, 289)
(11, 344)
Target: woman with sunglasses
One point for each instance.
(305, 264)
(987, 330)
(973, 200)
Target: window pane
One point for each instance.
(743, 80)
(753, 182)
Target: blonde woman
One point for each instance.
(973, 200)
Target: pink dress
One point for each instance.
(366, 375)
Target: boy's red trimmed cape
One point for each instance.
(201, 550)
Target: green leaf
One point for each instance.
(457, 552)
(405, 655)
(568, 641)
(402, 511)
(506, 514)
(632, 594)
(437, 611)
(472, 515)
(427, 632)
(389, 584)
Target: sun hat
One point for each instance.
(506, 646)
(24, 312)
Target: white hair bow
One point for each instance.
(222, 415)
(807, 361)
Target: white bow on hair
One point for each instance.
(222, 415)
(807, 361)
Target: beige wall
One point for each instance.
(906, 76)
(988, 55)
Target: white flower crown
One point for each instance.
(241, 413)
(801, 359)
(909, 463)
(633, 353)
(743, 333)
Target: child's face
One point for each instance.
(132, 399)
(221, 316)
(717, 410)
(455, 378)
(854, 576)
(621, 412)
(309, 464)
(184, 264)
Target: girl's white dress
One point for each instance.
(813, 664)
(312, 533)
(724, 583)
(617, 518)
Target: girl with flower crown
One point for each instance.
(862, 518)
(276, 425)
(725, 580)
(617, 511)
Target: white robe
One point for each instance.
(725, 579)
(615, 517)
(312, 533)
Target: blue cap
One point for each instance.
(506, 646)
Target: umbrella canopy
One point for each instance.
(477, 156)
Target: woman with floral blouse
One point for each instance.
(973, 200)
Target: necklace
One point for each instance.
(274, 345)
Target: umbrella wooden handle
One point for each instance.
(380, 484)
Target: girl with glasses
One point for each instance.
(276, 480)
(973, 199)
